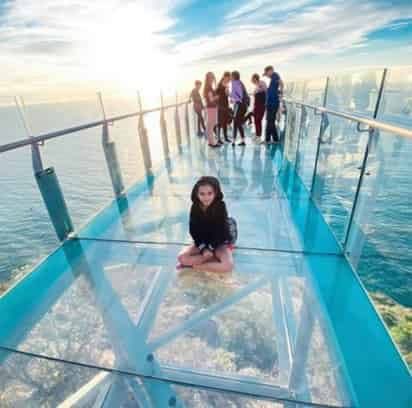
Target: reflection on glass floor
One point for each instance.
(253, 192)
(107, 320)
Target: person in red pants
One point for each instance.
(259, 103)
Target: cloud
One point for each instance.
(399, 25)
(73, 21)
(46, 43)
(49, 42)
(245, 9)
(321, 29)
(263, 10)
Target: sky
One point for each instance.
(59, 47)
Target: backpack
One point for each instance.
(246, 97)
(232, 228)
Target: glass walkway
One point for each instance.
(107, 321)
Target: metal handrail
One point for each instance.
(55, 134)
(372, 123)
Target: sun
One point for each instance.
(127, 50)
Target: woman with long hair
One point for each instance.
(209, 93)
(223, 111)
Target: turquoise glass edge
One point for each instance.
(334, 277)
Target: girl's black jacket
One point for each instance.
(209, 228)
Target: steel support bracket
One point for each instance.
(362, 130)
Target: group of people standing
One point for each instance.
(230, 91)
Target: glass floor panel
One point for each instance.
(291, 324)
(140, 315)
(243, 172)
(26, 381)
(267, 218)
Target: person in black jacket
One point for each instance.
(209, 228)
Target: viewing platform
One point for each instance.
(107, 320)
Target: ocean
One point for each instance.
(26, 234)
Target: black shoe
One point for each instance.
(242, 143)
(220, 142)
(227, 140)
(215, 145)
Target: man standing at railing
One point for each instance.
(272, 104)
(198, 107)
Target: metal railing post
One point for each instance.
(163, 129)
(35, 151)
(194, 119)
(380, 94)
(143, 138)
(288, 105)
(53, 198)
(177, 125)
(290, 129)
(302, 125)
(322, 128)
(187, 122)
(110, 154)
(371, 133)
(304, 90)
(48, 185)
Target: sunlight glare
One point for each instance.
(128, 52)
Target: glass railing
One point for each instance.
(359, 177)
(26, 234)
(83, 175)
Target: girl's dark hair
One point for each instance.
(235, 75)
(255, 77)
(226, 74)
(207, 181)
